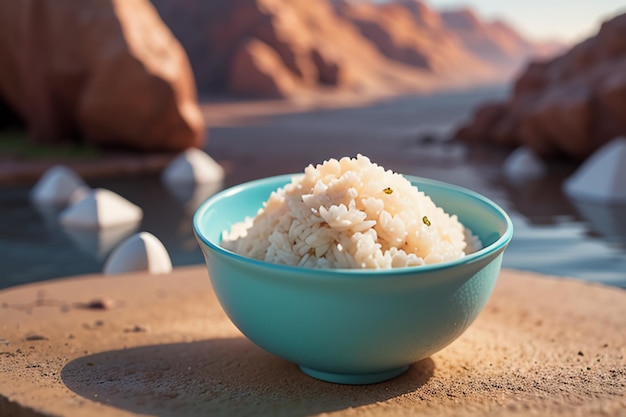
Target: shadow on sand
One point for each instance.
(220, 377)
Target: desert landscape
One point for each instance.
(120, 118)
(289, 48)
(137, 89)
(269, 86)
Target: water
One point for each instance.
(553, 234)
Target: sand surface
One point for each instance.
(163, 346)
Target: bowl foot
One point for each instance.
(354, 379)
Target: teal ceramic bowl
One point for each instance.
(346, 325)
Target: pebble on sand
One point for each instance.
(101, 303)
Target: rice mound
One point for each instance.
(350, 213)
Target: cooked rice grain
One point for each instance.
(350, 213)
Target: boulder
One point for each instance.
(489, 115)
(192, 177)
(193, 166)
(570, 105)
(57, 186)
(108, 71)
(140, 252)
(524, 165)
(601, 178)
(101, 209)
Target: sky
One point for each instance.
(562, 20)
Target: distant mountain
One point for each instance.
(282, 48)
(411, 33)
(495, 42)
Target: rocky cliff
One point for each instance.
(282, 48)
(570, 105)
(108, 71)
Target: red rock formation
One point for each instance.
(257, 69)
(412, 33)
(493, 42)
(570, 105)
(106, 70)
(329, 44)
(219, 35)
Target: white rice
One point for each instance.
(350, 213)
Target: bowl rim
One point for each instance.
(500, 244)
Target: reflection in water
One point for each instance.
(558, 236)
(168, 212)
(49, 215)
(552, 235)
(191, 195)
(539, 200)
(606, 220)
(98, 243)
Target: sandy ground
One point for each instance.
(163, 346)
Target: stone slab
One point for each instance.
(139, 344)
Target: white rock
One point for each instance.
(193, 166)
(56, 186)
(140, 252)
(100, 209)
(523, 164)
(602, 177)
